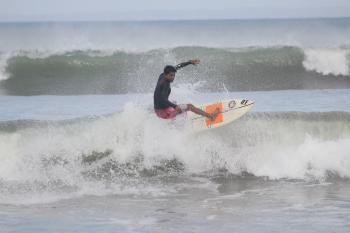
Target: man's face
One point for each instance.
(170, 77)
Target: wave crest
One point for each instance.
(328, 61)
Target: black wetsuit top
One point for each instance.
(162, 91)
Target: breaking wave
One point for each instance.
(121, 153)
(328, 61)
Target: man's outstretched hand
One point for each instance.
(195, 61)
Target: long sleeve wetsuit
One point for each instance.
(162, 91)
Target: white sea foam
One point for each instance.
(327, 61)
(45, 164)
(3, 64)
(310, 159)
(54, 154)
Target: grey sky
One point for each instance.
(70, 10)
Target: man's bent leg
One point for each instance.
(199, 111)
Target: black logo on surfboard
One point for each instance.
(232, 104)
(244, 102)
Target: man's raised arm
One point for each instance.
(183, 64)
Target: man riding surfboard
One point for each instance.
(166, 109)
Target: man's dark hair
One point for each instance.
(169, 69)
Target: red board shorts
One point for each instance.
(170, 112)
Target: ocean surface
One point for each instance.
(81, 149)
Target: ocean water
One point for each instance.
(82, 151)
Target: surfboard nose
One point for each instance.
(250, 102)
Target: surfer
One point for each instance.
(166, 109)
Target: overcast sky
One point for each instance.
(91, 10)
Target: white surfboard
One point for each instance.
(230, 110)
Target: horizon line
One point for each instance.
(171, 20)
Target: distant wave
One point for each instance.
(110, 72)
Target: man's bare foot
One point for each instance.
(214, 114)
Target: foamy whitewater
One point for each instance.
(81, 149)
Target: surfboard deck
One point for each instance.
(230, 110)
